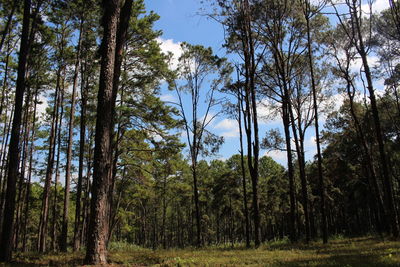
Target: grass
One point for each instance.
(365, 251)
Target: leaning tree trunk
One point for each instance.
(13, 155)
(8, 24)
(377, 124)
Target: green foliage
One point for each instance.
(344, 252)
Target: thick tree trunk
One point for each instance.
(121, 38)
(13, 155)
(96, 251)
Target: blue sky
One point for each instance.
(180, 22)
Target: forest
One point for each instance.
(108, 148)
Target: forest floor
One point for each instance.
(363, 251)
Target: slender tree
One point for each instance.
(197, 64)
(308, 13)
(64, 233)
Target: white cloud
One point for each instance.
(310, 145)
(41, 108)
(209, 120)
(268, 113)
(169, 46)
(377, 6)
(229, 128)
(373, 61)
(168, 98)
(277, 155)
(226, 124)
(230, 134)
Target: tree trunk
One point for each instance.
(4, 162)
(96, 251)
(82, 140)
(324, 226)
(28, 185)
(299, 142)
(20, 203)
(64, 232)
(286, 125)
(8, 24)
(245, 205)
(196, 200)
(378, 130)
(251, 119)
(121, 39)
(54, 228)
(50, 165)
(13, 155)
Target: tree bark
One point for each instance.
(96, 251)
(122, 35)
(13, 155)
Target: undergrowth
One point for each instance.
(341, 251)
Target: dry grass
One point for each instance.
(366, 251)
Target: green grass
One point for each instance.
(365, 251)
